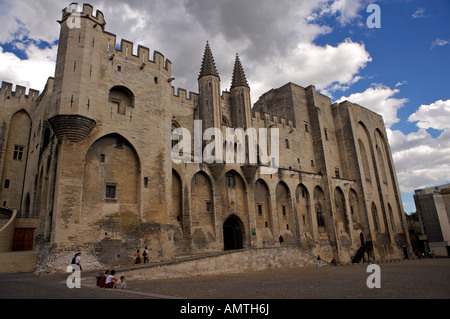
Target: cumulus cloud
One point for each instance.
(380, 99)
(32, 72)
(326, 67)
(435, 116)
(275, 39)
(37, 18)
(423, 160)
(347, 11)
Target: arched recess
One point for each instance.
(233, 233)
(303, 203)
(177, 199)
(202, 212)
(284, 211)
(341, 216)
(376, 224)
(355, 211)
(391, 217)
(234, 196)
(176, 211)
(111, 177)
(382, 167)
(122, 97)
(365, 161)
(263, 211)
(319, 208)
(15, 161)
(27, 206)
(391, 180)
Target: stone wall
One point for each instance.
(252, 259)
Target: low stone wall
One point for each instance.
(252, 259)
(18, 262)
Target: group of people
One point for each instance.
(430, 254)
(144, 254)
(109, 281)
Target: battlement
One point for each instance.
(7, 90)
(142, 57)
(181, 96)
(87, 11)
(272, 120)
(126, 49)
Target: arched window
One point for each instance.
(122, 97)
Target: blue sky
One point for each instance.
(400, 70)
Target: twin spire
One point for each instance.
(208, 65)
(209, 68)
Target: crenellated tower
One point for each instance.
(71, 107)
(240, 97)
(209, 92)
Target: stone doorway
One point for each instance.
(233, 233)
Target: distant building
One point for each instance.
(433, 208)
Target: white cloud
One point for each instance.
(401, 83)
(347, 11)
(438, 42)
(35, 17)
(328, 68)
(379, 99)
(435, 116)
(32, 72)
(419, 13)
(276, 39)
(423, 160)
(420, 160)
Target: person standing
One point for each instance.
(138, 257)
(319, 261)
(281, 240)
(76, 260)
(145, 254)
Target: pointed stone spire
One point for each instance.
(208, 65)
(239, 78)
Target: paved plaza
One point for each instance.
(409, 279)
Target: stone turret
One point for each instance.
(72, 108)
(209, 92)
(240, 97)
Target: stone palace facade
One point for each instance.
(88, 165)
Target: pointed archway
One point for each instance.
(233, 233)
